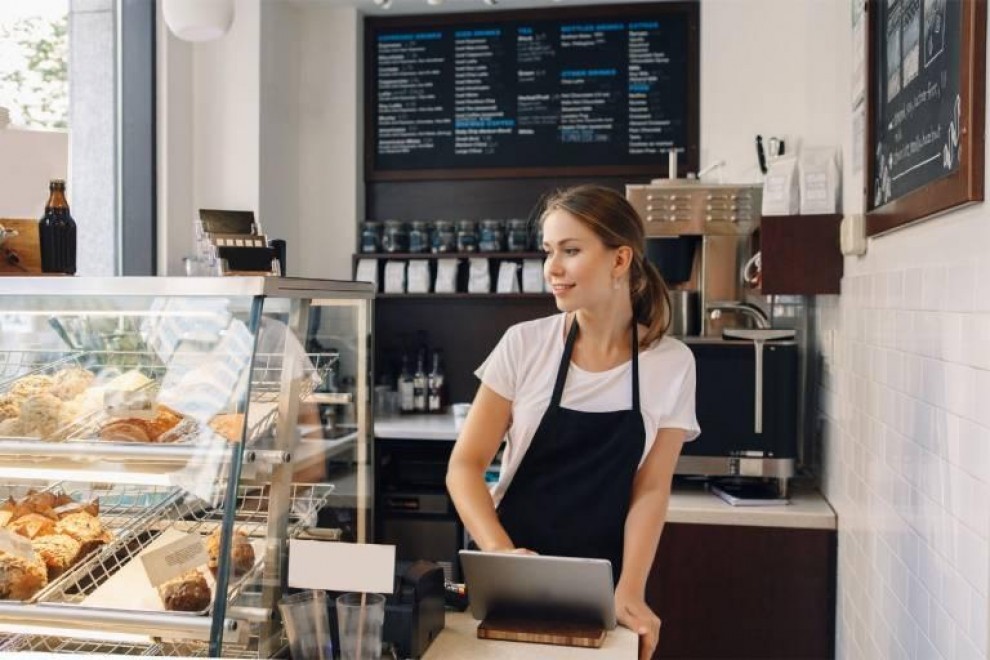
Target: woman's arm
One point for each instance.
(647, 513)
(483, 430)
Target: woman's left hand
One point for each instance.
(635, 614)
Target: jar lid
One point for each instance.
(491, 223)
(420, 224)
(467, 224)
(394, 223)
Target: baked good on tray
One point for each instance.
(10, 407)
(86, 529)
(241, 552)
(58, 552)
(137, 429)
(229, 425)
(31, 385)
(187, 593)
(19, 578)
(32, 525)
(69, 383)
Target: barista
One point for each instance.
(595, 404)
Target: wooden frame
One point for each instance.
(964, 184)
(687, 161)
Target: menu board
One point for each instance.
(568, 89)
(917, 95)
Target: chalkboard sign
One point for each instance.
(926, 108)
(603, 90)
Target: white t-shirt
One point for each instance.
(524, 364)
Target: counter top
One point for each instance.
(690, 504)
(459, 639)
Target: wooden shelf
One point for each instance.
(449, 255)
(800, 254)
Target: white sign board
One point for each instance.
(335, 566)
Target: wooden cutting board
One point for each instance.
(559, 633)
(20, 254)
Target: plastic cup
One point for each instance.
(307, 625)
(360, 632)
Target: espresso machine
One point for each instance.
(701, 236)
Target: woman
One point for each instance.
(596, 403)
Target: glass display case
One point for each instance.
(160, 440)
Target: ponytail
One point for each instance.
(650, 300)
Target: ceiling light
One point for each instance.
(434, 2)
(384, 4)
(198, 20)
(491, 3)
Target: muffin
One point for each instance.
(28, 386)
(86, 529)
(40, 415)
(241, 552)
(70, 383)
(9, 407)
(21, 579)
(187, 593)
(58, 552)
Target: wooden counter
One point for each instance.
(460, 640)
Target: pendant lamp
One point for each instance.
(198, 20)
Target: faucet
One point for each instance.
(748, 309)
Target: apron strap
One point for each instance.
(565, 363)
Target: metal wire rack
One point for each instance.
(71, 646)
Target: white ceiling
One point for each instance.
(405, 7)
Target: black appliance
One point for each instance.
(726, 398)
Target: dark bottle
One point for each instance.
(57, 231)
(419, 385)
(435, 388)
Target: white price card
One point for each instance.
(335, 566)
(174, 559)
(16, 545)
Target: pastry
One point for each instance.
(20, 579)
(9, 407)
(187, 593)
(164, 421)
(229, 425)
(40, 415)
(12, 427)
(30, 386)
(129, 430)
(63, 510)
(58, 551)
(69, 383)
(84, 528)
(241, 553)
(32, 525)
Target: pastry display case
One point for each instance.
(161, 439)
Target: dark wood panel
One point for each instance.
(466, 330)
(800, 254)
(474, 199)
(733, 592)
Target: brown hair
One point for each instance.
(616, 223)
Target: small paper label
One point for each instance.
(127, 403)
(16, 545)
(341, 566)
(174, 559)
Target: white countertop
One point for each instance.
(689, 505)
(459, 639)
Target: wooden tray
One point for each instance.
(559, 633)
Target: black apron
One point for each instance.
(571, 492)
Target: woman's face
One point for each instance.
(579, 267)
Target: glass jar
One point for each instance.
(396, 238)
(491, 237)
(371, 237)
(419, 236)
(467, 236)
(518, 239)
(444, 237)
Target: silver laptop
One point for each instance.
(571, 588)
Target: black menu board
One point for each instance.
(918, 102)
(606, 90)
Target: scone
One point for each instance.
(69, 383)
(241, 552)
(20, 579)
(187, 593)
(229, 425)
(30, 386)
(32, 525)
(9, 407)
(84, 528)
(40, 415)
(12, 427)
(58, 551)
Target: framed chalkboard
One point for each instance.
(582, 91)
(925, 108)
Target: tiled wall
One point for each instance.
(905, 449)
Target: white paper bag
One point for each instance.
(395, 277)
(508, 278)
(532, 276)
(446, 281)
(819, 181)
(780, 188)
(419, 276)
(367, 271)
(479, 279)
